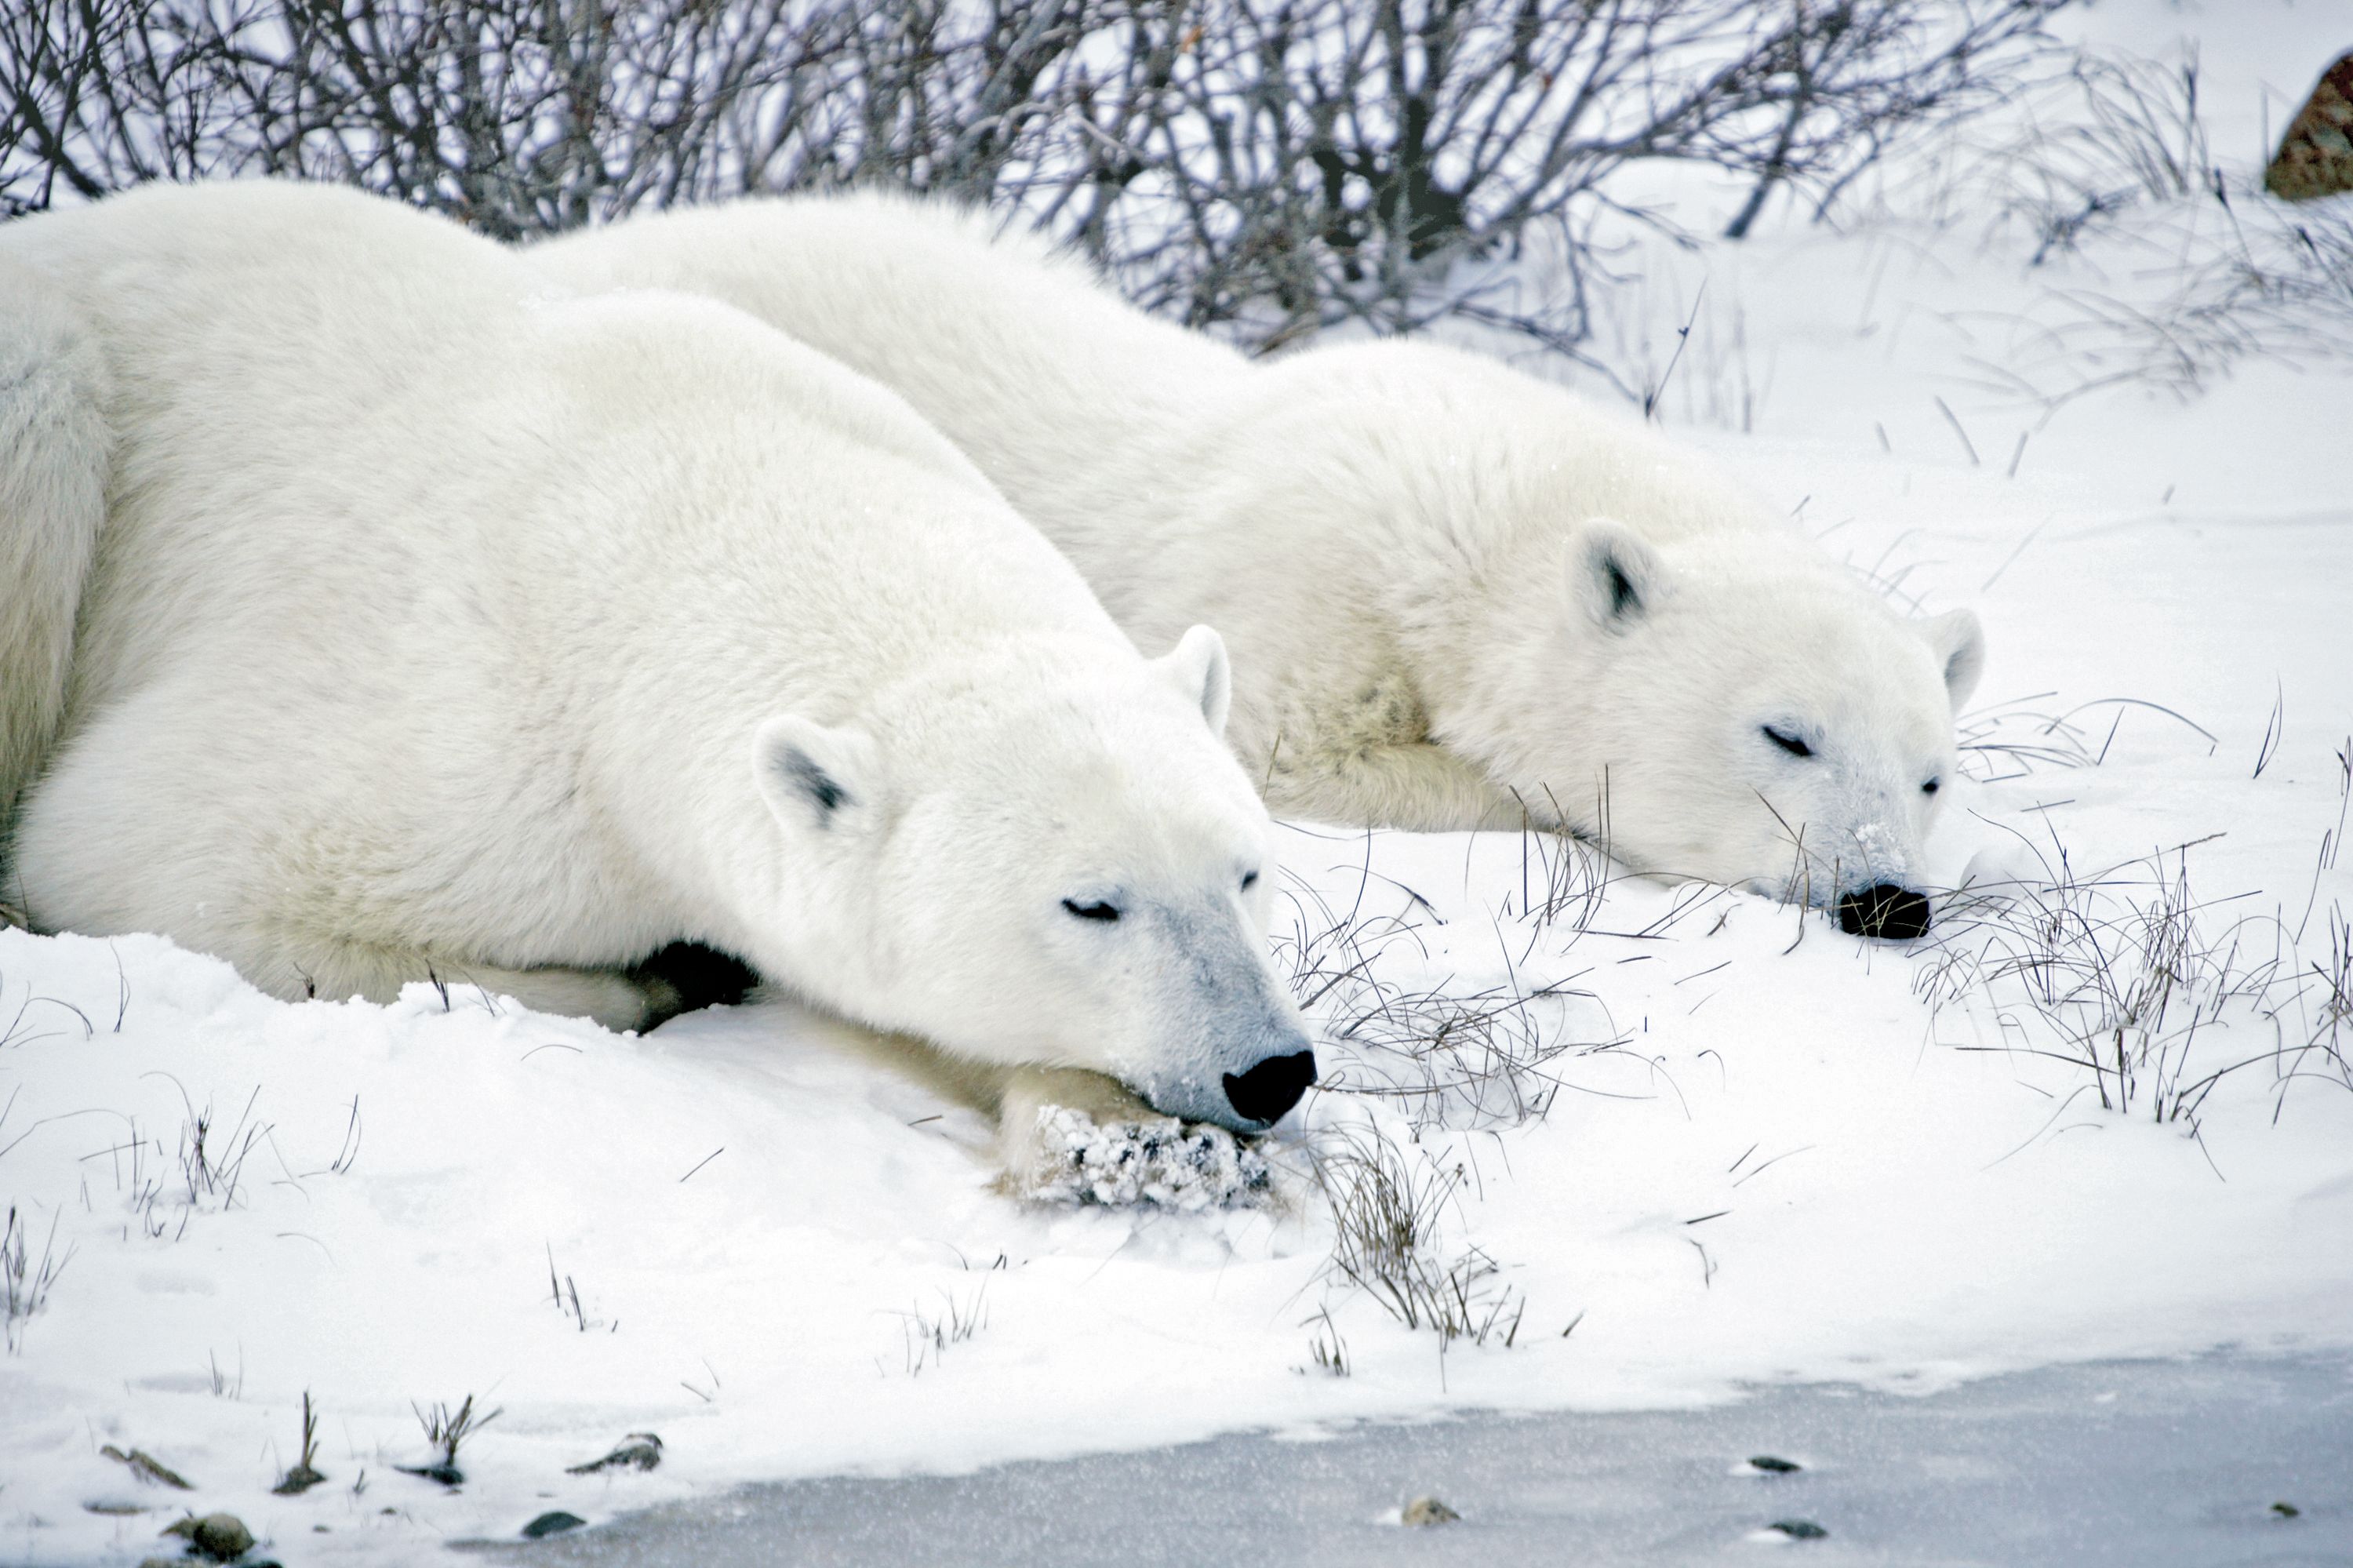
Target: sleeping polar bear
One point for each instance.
(1457, 596)
(433, 621)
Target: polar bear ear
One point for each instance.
(1958, 643)
(1613, 572)
(814, 775)
(1202, 674)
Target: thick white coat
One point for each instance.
(1455, 595)
(433, 620)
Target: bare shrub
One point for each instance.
(1266, 166)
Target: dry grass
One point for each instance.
(1449, 1055)
(25, 1285)
(926, 1335)
(565, 1293)
(2030, 735)
(1388, 1204)
(2117, 150)
(447, 1430)
(2129, 975)
(305, 1473)
(1326, 1351)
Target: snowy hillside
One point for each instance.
(1652, 1143)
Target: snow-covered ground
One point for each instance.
(1671, 1141)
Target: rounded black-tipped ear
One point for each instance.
(1198, 669)
(1613, 573)
(815, 775)
(1958, 642)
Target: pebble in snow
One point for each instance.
(221, 1537)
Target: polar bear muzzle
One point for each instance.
(1891, 914)
(1265, 1092)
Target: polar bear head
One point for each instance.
(1736, 707)
(1044, 855)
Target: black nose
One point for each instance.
(1272, 1087)
(1886, 911)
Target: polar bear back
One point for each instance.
(482, 586)
(297, 411)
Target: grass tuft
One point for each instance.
(305, 1473)
(1326, 1349)
(24, 1285)
(927, 1335)
(1386, 1210)
(447, 1430)
(2125, 972)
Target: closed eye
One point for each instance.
(1789, 743)
(1096, 911)
(1250, 880)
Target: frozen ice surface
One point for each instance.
(2133, 1465)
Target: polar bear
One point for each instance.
(376, 610)
(1456, 596)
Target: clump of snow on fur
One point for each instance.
(1161, 1161)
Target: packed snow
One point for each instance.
(1651, 1143)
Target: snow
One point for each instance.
(1738, 1147)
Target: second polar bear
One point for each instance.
(382, 611)
(1456, 596)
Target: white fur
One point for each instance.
(443, 621)
(1410, 550)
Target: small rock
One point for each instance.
(219, 1536)
(637, 1451)
(553, 1523)
(1427, 1510)
(297, 1481)
(2315, 155)
(114, 1507)
(2286, 1510)
(1799, 1529)
(147, 1468)
(1773, 1465)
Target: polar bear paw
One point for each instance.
(1158, 1160)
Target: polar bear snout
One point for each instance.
(1266, 1092)
(1886, 911)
